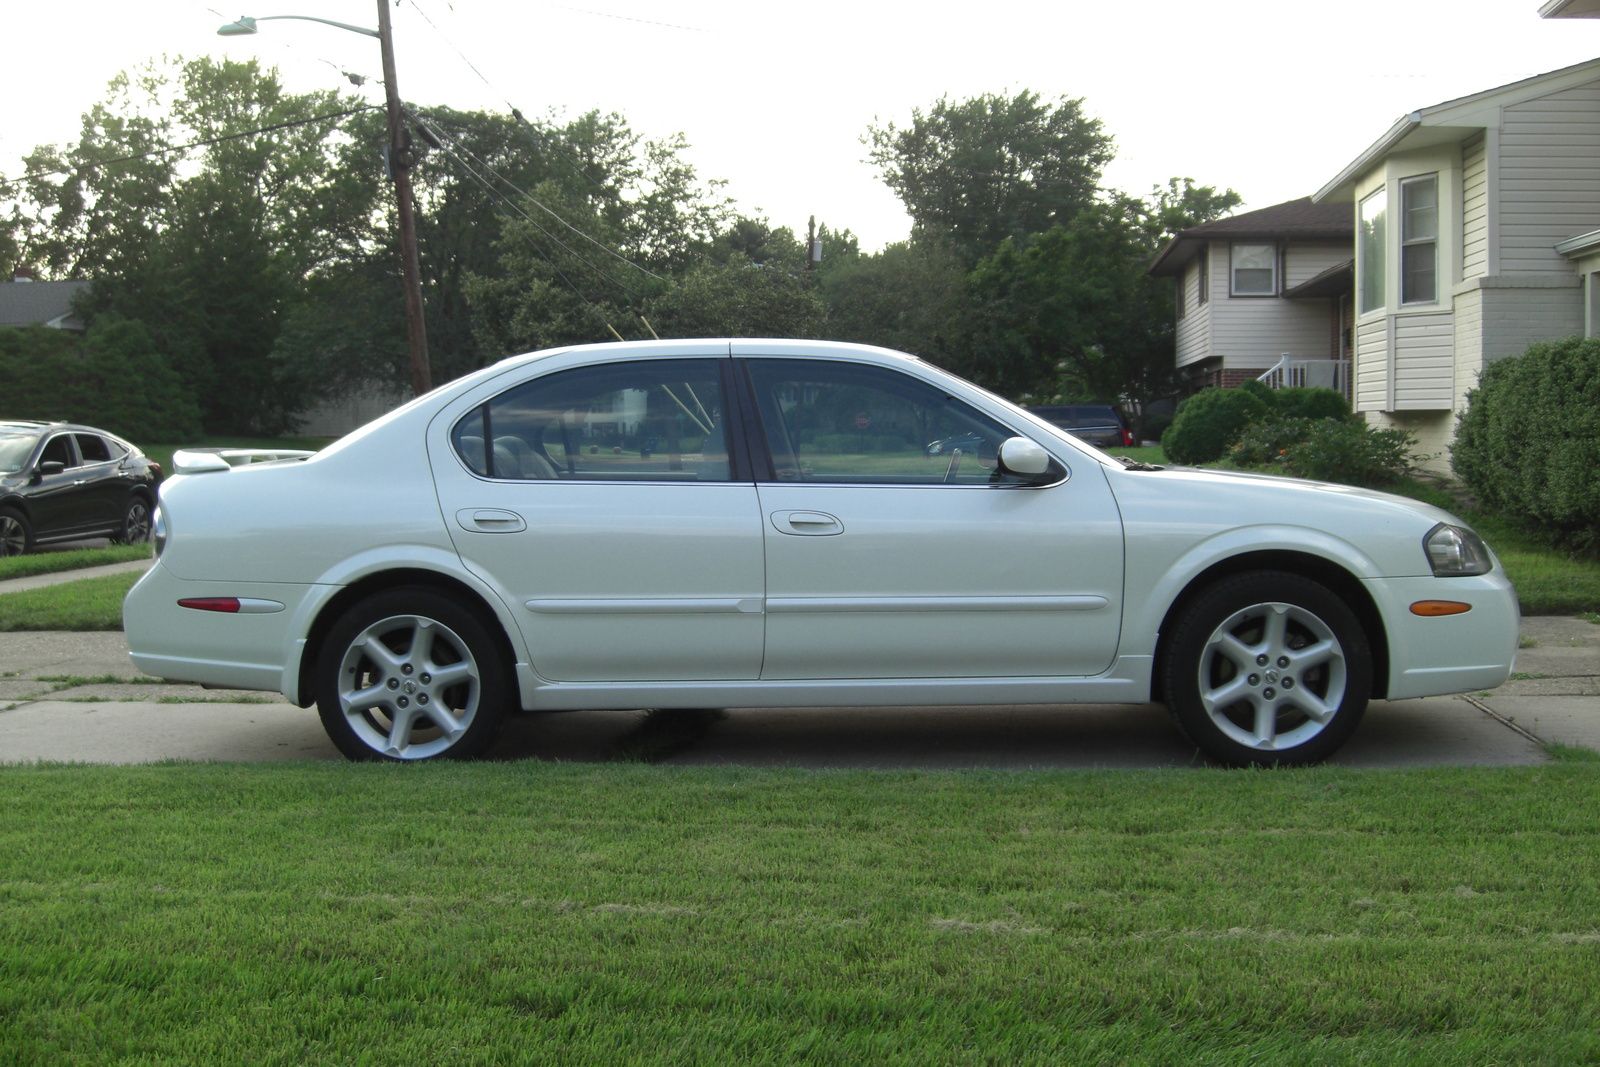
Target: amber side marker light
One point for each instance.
(1430, 609)
(230, 604)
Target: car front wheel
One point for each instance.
(1268, 668)
(408, 674)
(15, 535)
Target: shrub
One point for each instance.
(1311, 402)
(1267, 443)
(1208, 422)
(1351, 452)
(1326, 450)
(1528, 444)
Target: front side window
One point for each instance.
(1255, 269)
(59, 450)
(1370, 249)
(1419, 240)
(651, 420)
(843, 423)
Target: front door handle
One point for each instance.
(489, 520)
(807, 523)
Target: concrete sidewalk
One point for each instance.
(76, 697)
(40, 581)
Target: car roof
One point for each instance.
(731, 346)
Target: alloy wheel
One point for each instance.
(409, 687)
(1272, 676)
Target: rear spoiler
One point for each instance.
(197, 461)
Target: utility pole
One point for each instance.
(400, 167)
(813, 246)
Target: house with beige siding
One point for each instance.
(1263, 293)
(1477, 233)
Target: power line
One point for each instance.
(607, 249)
(449, 148)
(171, 149)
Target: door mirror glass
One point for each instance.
(1018, 455)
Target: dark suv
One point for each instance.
(60, 482)
(1098, 424)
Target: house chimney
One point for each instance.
(24, 274)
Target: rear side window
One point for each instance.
(650, 420)
(92, 447)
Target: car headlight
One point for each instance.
(1455, 551)
(158, 530)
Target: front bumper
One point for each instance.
(1452, 653)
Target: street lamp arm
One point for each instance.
(246, 25)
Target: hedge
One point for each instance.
(1528, 444)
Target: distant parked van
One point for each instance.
(1098, 424)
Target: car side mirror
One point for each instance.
(1023, 457)
(49, 466)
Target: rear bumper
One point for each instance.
(1452, 653)
(235, 651)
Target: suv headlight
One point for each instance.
(158, 530)
(1455, 551)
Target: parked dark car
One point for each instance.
(61, 482)
(1099, 424)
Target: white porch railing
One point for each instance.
(1326, 373)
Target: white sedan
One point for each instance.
(757, 523)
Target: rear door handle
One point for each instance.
(807, 523)
(488, 520)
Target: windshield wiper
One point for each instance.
(1129, 463)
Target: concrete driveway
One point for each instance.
(76, 697)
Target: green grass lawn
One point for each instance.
(69, 560)
(610, 914)
(89, 604)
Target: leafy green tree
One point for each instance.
(209, 246)
(738, 298)
(910, 297)
(975, 172)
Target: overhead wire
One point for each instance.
(514, 187)
(449, 147)
(575, 164)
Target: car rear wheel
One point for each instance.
(1268, 668)
(135, 528)
(408, 674)
(16, 536)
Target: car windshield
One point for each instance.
(15, 448)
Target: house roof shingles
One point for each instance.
(36, 303)
(1294, 220)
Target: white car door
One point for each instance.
(602, 503)
(894, 550)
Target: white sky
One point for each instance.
(1270, 97)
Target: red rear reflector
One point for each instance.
(1434, 608)
(229, 604)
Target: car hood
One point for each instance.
(1249, 483)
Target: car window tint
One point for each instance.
(59, 450)
(839, 422)
(651, 420)
(92, 447)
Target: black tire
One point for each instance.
(1299, 704)
(16, 535)
(380, 701)
(135, 528)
